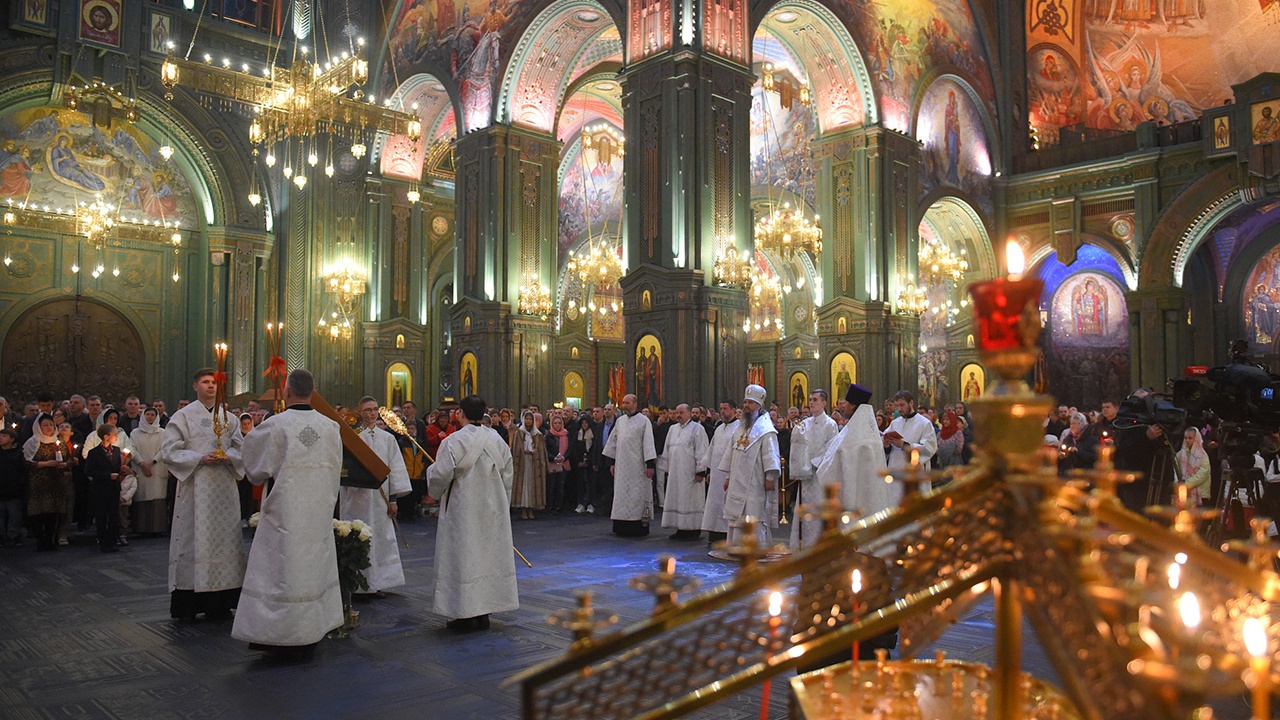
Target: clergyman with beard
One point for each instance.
(754, 466)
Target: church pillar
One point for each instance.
(235, 279)
(1159, 336)
(505, 239)
(870, 253)
(687, 185)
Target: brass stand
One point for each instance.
(1008, 680)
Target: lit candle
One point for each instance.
(856, 586)
(1189, 611)
(775, 609)
(1255, 642)
(1175, 575)
(1000, 304)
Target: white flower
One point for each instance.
(358, 525)
(366, 534)
(336, 522)
(253, 519)
(343, 528)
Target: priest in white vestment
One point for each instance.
(686, 497)
(291, 595)
(754, 467)
(475, 564)
(630, 444)
(910, 431)
(854, 461)
(713, 514)
(809, 441)
(378, 508)
(206, 546)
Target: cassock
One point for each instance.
(713, 514)
(630, 444)
(475, 564)
(206, 547)
(752, 453)
(291, 595)
(366, 504)
(809, 441)
(917, 432)
(854, 461)
(686, 497)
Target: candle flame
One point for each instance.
(1189, 609)
(775, 603)
(857, 581)
(1255, 637)
(1175, 575)
(1014, 259)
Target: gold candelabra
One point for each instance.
(535, 298)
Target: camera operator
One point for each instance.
(1141, 447)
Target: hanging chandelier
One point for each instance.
(912, 298)
(938, 264)
(785, 231)
(95, 220)
(733, 268)
(535, 298)
(346, 283)
(296, 106)
(598, 264)
(764, 293)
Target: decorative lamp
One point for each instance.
(166, 152)
(357, 150)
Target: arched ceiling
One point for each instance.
(562, 43)
(806, 38)
(959, 227)
(402, 157)
(595, 101)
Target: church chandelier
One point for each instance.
(345, 283)
(782, 229)
(940, 267)
(763, 294)
(912, 298)
(733, 267)
(535, 298)
(300, 109)
(596, 266)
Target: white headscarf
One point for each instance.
(38, 438)
(1191, 459)
(146, 427)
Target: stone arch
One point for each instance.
(961, 78)
(439, 109)
(1185, 224)
(950, 213)
(816, 30)
(1124, 264)
(531, 92)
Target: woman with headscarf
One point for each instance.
(1079, 447)
(110, 416)
(149, 514)
(48, 480)
(557, 463)
(529, 458)
(950, 441)
(1193, 462)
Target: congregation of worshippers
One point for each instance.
(87, 472)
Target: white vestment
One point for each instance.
(354, 503)
(206, 546)
(146, 448)
(854, 461)
(631, 446)
(809, 441)
(752, 454)
(713, 514)
(686, 495)
(475, 564)
(917, 432)
(291, 595)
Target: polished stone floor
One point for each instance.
(88, 636)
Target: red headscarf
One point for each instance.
(950, 425)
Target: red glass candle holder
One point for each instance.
(999, 307)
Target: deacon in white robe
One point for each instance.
(713, 514)
(686, 495)
(206, 546)
(854, 461)
(630, 444)
(809, 441)
(376, 508)
(475, 564)
(754, 466)
(909, 431)
(291, 594)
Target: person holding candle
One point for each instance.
(106, 467)
(206, 549)
(754, 467)
(1193, 462)
(48, 480)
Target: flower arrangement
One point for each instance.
(352, 540)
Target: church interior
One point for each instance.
(563, 202)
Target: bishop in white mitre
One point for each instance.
(809, 442)
(853, 461)
(686, 495)
(713, 514)
(377, 507)
(754, 466)
(630, 444)
(475, 563)
(291, 596)
(206, 545)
